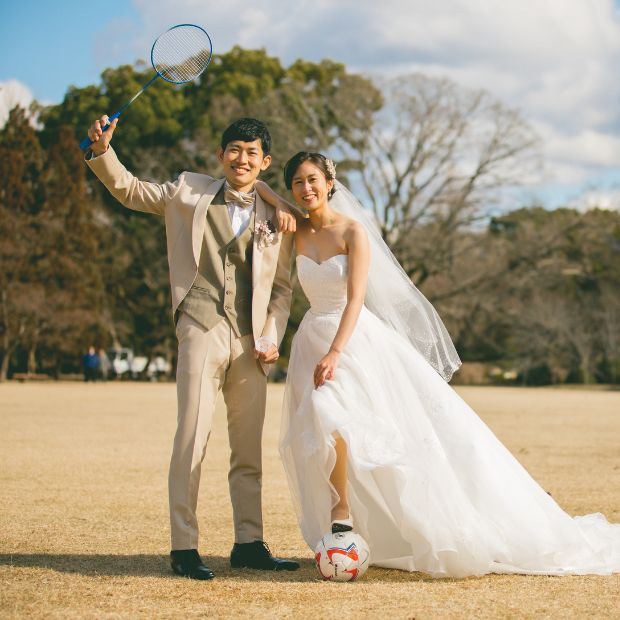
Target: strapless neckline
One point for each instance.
(322, 262)
(325, 283)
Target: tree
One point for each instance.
(21, 299)
(307, 105)
(435, 162)
(553, 314)
(70, 244)
(49, 286)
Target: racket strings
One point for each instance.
(181, 54)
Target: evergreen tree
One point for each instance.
(21, 197)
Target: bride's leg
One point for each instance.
(338, 478)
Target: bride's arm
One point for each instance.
(359, 258)
(285, 211)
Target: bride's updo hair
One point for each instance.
(324, 164)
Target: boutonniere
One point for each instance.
(265, 233)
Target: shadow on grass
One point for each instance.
(145, 565)
(138, 565)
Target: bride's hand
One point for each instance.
(326, 368)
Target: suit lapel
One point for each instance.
(264, 263)
(200, 214)
(260, 215)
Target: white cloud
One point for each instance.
(590, 147)
(13, 93)
(597, 199)
(556, 60)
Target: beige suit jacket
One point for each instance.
(184, 204)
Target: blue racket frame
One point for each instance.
(87, 141)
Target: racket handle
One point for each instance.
(86, 142)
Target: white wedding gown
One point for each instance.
(431, 488)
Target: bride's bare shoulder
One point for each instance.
(354, 231)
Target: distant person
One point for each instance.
(231, 294)
(90, 363)
(105, 365)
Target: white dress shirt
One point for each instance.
(239, 214)
(239, 217)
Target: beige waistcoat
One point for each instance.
(223, 284)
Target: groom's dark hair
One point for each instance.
(247, 130)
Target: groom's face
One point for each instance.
(242, 163)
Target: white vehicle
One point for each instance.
(158, 366)
(126, 364)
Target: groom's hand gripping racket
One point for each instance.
(178, 56)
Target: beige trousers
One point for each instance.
(210, 361)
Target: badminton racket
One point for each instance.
(178, 56)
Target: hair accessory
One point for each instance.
(331, 168)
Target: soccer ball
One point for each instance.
(342, 557)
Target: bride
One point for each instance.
(374, 439)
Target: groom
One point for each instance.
(229, 275)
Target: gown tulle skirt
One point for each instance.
(431, 488)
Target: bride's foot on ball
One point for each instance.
(342, 525)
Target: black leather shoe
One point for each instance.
(342, 525)
(188, 563)
(257, 555)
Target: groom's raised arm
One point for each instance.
(130, 191)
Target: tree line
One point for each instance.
(531, 290)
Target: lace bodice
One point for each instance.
(325, 284)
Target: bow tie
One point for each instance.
(239, 198)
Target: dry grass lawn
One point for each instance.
(84, 522)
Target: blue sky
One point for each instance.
(554, 60)
(50, 45)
